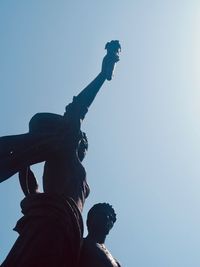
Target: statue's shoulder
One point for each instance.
(46, 122)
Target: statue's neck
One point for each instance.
(97, 238)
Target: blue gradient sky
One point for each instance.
(143, 129)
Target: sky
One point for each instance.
(143, 127)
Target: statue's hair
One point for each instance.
(102, 207)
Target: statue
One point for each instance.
(51, 230)
(100, 220)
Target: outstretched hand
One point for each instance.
(111, 58)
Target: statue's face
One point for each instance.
(103, 222)
(108, 222)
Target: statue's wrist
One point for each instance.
(102, 75)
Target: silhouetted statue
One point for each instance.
(50, 232)
(100, 220)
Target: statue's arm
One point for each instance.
(80, 104)
(79, 107)
(88, 94)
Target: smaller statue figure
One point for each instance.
(100, 220)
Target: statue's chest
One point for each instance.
(106, 257)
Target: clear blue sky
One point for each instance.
(143, 129)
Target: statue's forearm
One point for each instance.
(80, 104)
(87, 95)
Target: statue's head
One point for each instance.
(82, 146)
(101, 218)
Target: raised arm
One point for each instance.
(84, 99)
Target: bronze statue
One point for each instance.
(100, 220)
(50, 232)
